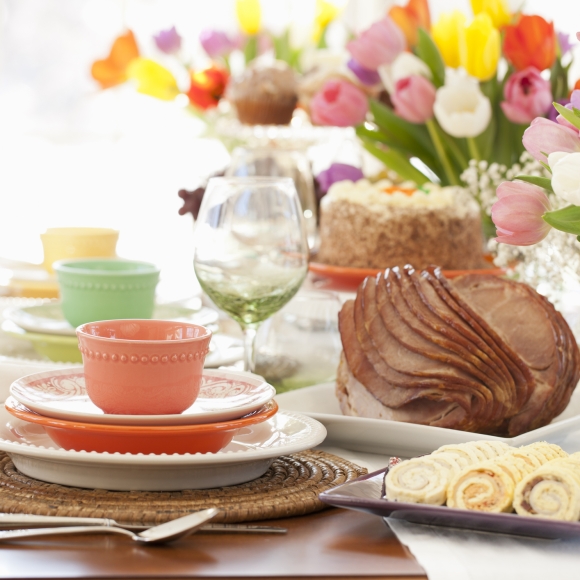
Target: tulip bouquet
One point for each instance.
(204, 86)
(457, 90)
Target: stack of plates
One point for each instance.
(44, 326)
(231, 434)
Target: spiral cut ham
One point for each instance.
(477, 353)
(490, 485)
(552, 491)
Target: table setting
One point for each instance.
(364, 359)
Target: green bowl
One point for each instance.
(106, 289)
(56, 347)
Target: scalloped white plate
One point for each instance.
(247, 457)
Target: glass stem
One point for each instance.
(249, 337)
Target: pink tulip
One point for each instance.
(527, 95)
(543, 137)
(414, 98)
(517, 214)
(339, 103)
(377, 45)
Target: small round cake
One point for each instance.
(380, 225)
(264, 94)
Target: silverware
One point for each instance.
(162, 534)
(15, 521)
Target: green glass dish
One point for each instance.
(106, 289)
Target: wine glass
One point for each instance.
(251, 251)
(268, 161)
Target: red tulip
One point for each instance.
(207, 87)
(517, 214)
(530, 42)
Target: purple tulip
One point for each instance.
(338, 172)
(564, 42)
(543, 137)
(517, 214)
(216, 42)
(364, 75)
(168, 41)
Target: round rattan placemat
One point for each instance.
(290, 487)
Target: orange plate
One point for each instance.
(329, 277)
(207, 438)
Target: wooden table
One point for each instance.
(330, 544)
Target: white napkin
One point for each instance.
(453, 554)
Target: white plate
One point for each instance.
(223, 395)
(406, 439)
(247, 457)
(48, 318)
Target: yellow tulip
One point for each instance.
(326, 12)
(153, 79)
(497, 10)
(480, 47)
(249, 15)
(446, 33)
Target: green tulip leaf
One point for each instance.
(428, 52)
(566, 219)
(397, 162)
(409, 134)
(568, 115)
(543, 182)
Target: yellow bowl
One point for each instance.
(70, 243)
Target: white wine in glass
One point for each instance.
(251, 250)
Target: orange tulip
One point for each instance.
(530, 42)
(112, 70)
(411, 17)
(207, 87)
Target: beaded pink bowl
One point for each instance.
(143, 367)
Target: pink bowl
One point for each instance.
(143, 367)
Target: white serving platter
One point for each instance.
(406, 439)
(247, 457)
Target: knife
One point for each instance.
(15, 521)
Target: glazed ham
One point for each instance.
(477, 353)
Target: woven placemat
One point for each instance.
(290, 487)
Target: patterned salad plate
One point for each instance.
(61, 394)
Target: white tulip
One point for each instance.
(461, 108)
(405, 65)
(566, 175)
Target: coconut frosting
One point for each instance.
(385, 193)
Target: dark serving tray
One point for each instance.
(365, 494)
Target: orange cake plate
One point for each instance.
(328, 277)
